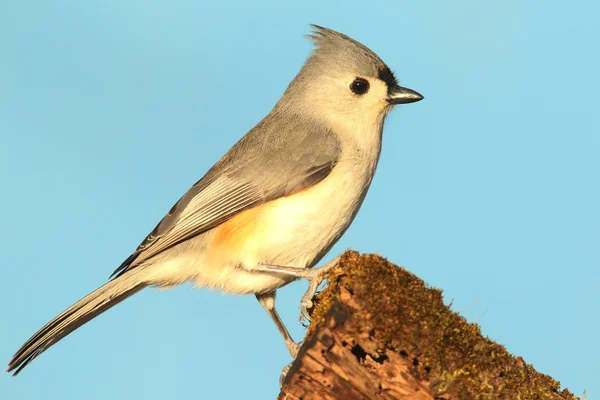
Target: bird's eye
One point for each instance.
(359, 86)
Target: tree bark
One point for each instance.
(378, 332)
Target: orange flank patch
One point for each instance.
(253, 228)
(256, 230)
(235, 232)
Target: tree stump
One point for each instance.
(378, 332)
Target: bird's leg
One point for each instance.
(313, 275)
(267, 300)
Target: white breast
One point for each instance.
(309, 223)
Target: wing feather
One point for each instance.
(271, 161)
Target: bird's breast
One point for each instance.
(293, 229)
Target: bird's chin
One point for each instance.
(388, 107)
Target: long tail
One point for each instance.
(78, 314)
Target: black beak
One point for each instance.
(402, 95)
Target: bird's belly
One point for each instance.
(290, 231)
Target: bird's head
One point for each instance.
(343, 79)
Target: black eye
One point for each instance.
(360, 86)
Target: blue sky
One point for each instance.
(488, 188)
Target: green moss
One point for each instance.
(402, 314)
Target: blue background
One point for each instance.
(110, 110)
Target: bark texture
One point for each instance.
(379, 332)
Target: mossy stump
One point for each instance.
(379, 332)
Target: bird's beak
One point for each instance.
(402, 95)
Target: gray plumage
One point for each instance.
(287, 144)
(298, 145)
(336, 51)
(278, 157)
(94, 304)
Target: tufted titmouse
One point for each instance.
(275, 204)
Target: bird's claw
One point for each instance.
(284, 373)
(315, 278)
(306, 302)
(294, 349)
(305, 305)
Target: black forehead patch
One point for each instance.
(386, 75)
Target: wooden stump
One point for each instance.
(379, 332)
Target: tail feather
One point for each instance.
(73, 317)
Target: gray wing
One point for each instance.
(271, 161)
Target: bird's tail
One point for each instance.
(78, 314)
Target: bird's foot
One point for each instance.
(284, 373)
(315, 278)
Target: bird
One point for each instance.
(272, 207)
